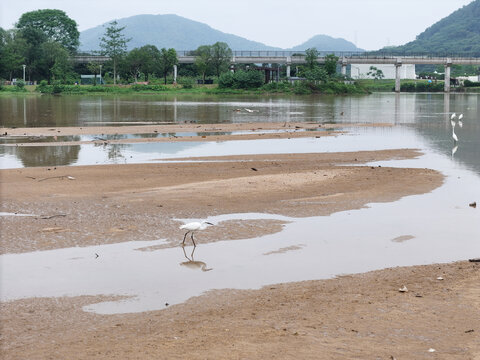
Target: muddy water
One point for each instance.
(422, 118)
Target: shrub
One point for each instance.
(138, 87)
(187, 83)
(469, 83)
(43, 87)
(316, 74)
(20, 84)
(226, 80)
(251, 79)
(301, 88)
(421, 87)
(57, 87)
(278, 87)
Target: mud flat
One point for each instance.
(361, 316)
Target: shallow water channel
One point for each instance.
(436, 227)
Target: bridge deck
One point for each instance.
(298, 57)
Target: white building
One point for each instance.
(359, 71)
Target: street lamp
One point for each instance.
(24, 66)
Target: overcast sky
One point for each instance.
(370, 24)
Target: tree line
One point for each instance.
(43, 43)
(46, 40)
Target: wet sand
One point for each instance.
(170, 133)
(91, 205)
(359, 316)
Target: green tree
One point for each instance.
(151, 59)
(316, 74)
(221, 57)
(55, 61)
(203, 60)
(167, 59)
(54, 24)
(376, 73)
(114, 45)
(33, 39)
(311, 56)
(134, 62)
(331, 64)
(11, 54)
(94, 67)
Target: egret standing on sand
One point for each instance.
(192, 227)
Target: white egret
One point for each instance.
(460, 122)
(454, 115)
(192, 227)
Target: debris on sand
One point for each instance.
(403, 289)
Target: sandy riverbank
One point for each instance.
(360, 316)
(89, 205)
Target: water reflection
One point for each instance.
(425, 114)
(193, 264)
(44, 155)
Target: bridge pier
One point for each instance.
(289, 62)
(398, 65)
(448, 67)
(344, 66)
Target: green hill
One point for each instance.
(327, 43)
(173, 31)
(457, 34)
(168, 31)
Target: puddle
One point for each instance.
(14, 214)
(443, 225)
(92, 154)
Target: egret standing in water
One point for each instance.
(192, 227)
(460, 122)
(454, 115)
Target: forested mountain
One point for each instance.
(458, 33)
(326, 43)
(168, 31)
(172, 31)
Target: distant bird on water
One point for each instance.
(192, 227)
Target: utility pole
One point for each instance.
(24, 66)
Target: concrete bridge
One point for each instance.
(289, 58)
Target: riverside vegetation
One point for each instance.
(45, 40)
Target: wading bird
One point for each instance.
(460, 122)
(192, 227)
(454, 115)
